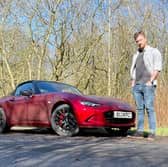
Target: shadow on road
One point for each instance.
(91, 147)
(97, 132)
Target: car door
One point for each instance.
(18, 105)
(38, 109)
(17, 108)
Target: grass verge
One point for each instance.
(159, 131)
(162, 131)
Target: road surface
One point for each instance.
(35, 148)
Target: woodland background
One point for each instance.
(85, 43)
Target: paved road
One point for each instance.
(44, 149)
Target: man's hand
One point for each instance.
(132, 83)
(149, 83)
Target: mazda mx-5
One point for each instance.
(63, 108)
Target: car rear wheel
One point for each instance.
(63, 121)
(3, 125)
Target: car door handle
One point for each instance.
(11, 100)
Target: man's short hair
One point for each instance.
(138, 33)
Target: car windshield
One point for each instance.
(46, 87)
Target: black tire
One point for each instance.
(3, 125)
(121, 131)
(63, 121)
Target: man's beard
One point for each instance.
(140, 49)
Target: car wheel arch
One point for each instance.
(61, 103)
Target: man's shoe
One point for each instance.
(137, 135)
(151, 137)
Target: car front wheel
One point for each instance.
(63, 121)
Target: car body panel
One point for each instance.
(15, 110)
(36, 109)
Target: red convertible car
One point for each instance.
(63, 108)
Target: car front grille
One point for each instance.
(109, 117)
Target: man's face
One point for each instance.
(141, 41)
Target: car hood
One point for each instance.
(104, 100)
(108, 101)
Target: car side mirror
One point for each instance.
(26, 92)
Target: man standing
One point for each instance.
(145, 68)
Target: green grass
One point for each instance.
(159, 131)
(162, 131)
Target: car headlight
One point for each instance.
(90, 104)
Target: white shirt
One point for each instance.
(152, 60)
